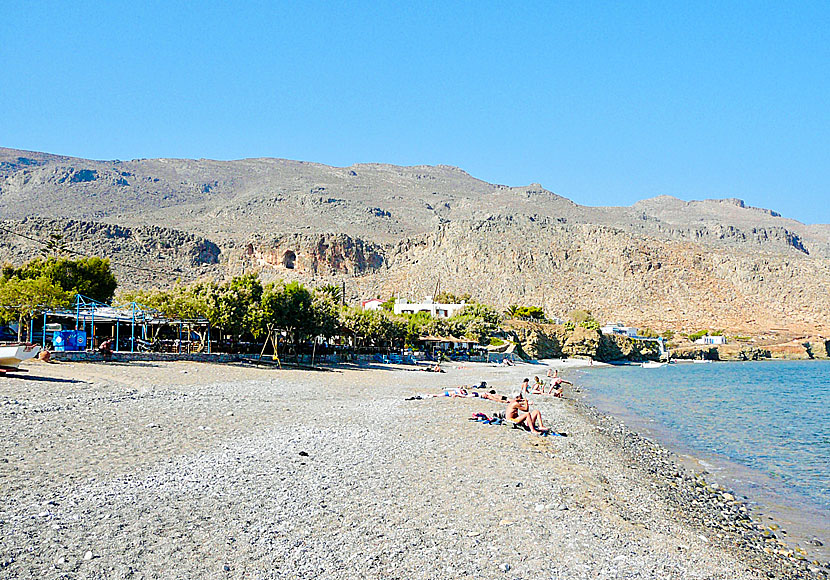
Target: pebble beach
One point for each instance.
(195, 470)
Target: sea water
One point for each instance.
(763, 427)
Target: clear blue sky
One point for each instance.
(600, 102)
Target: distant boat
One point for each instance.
(653, 365)
(11, 355)
(701, 361)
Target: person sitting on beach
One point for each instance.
(525, 389)
(538, 388)
(105, 348)
(518, 412)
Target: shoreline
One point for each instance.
(165, 457)
(770, 501)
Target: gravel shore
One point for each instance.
(189, 470)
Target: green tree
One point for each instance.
(333, 291)
(236, 305)
(290, 308)
(531, 312)
(22, 298)
(178, 302)
(54, 246)
(450, 298)
(90, 277)
(475, 321)
(375, 327)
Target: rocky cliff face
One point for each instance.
(313, 255)
(658, 284)
(382, 229)
(146, 255)
(540, 341)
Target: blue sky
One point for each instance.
(604, 103)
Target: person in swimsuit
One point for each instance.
(518, 411)
(556, 383)
(491, 395)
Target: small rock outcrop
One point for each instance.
(582, 342)
(539, 340)
(614, 347)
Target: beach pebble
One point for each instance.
(539, 507)
(504, 567)
(815, 542)
(88, 555)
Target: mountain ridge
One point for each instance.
(369, 222)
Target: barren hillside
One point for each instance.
(662, 262)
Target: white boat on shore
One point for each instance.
(11, 355)
(653, 364)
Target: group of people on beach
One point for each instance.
(518, 409)
(555, 387)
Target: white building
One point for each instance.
(618, 328)
(402, 306)
(711, 340)
(372, 304)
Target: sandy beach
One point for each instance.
(193, 470)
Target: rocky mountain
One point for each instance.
(662, 263)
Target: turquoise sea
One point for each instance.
(762, 428)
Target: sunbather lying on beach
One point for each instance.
(518, 411)
(456, 393)
(491, 395)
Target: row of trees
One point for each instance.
(244, 306)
